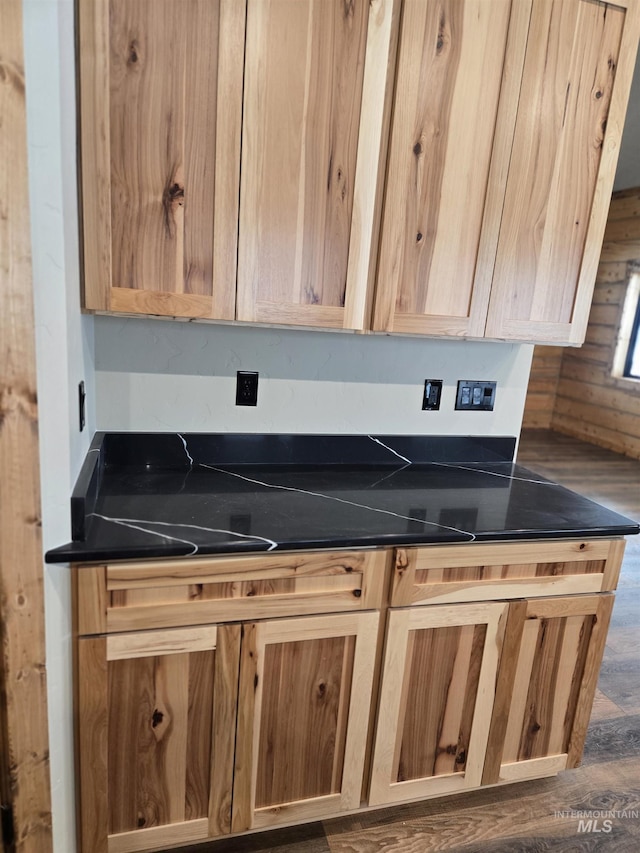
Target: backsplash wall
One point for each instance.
(159, 375)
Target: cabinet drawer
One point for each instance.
(141, 595)
(439, 574)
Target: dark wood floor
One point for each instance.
(528, 816)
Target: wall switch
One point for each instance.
(246, 388)
(432, 394)
(475, 395)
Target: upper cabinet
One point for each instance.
(315, 75)
(161, 114)
(436, 167)
(441, 212)
(178, 100)
(576, 77)
(504, 141)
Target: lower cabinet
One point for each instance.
(436, 699)
(305, 696)
(156, 715)
(159, 764)
(482, 693)
(232, 694)
(548, 674)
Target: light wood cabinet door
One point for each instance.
(161, 112)
(551, 657)
(156, 715)
(577, 74)
(436, 700)
(303, 713)
(454, 109)
(314, 97)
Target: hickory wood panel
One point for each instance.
(158, 837)
(159, 197)
(302, 665)
(441, 573)
(371, 161)
(448, 88)
(302, 113)
(575, 84)
(153, 643)
(95, 171)
(24, 739)
(155, 751)
(93, 745)
(131, 596)
(463, 661)
(546, 685)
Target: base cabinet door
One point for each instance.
(436, 700)
(156, 714)
(304, 703)
(548, 674)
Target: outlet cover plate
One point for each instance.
(475, 395)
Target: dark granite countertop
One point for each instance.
(154, 495)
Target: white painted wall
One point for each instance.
(64, 350)
(156, 375)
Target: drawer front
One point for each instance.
(440, 574)
(144, 595)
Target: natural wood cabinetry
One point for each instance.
(314, 96)
(221, 695)
(501, 169)
(200, 714)
(177, 101)
(234, 160)
(160, 119)
(548, 674)
(305, 695)
(575, 83)
(481, 693)
(445, 178)
(436, 698)
(155, 756)
(438, 574)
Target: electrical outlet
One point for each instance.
(432, 395)
(246, 388)
(475, 395)
(81, 406)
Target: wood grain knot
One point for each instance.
(348, 8)
(322, 689)
(402, 560)
(598, 95)
(535, 728)
(156, 718)
(133, 55)
(357, 593)
(419, 237)
(12, 75)
(417, 149)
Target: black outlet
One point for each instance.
(475, 395)
(432, 395)
(81, 406)
(246, 388)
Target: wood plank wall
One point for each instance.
(571, 390)
(24, 740)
